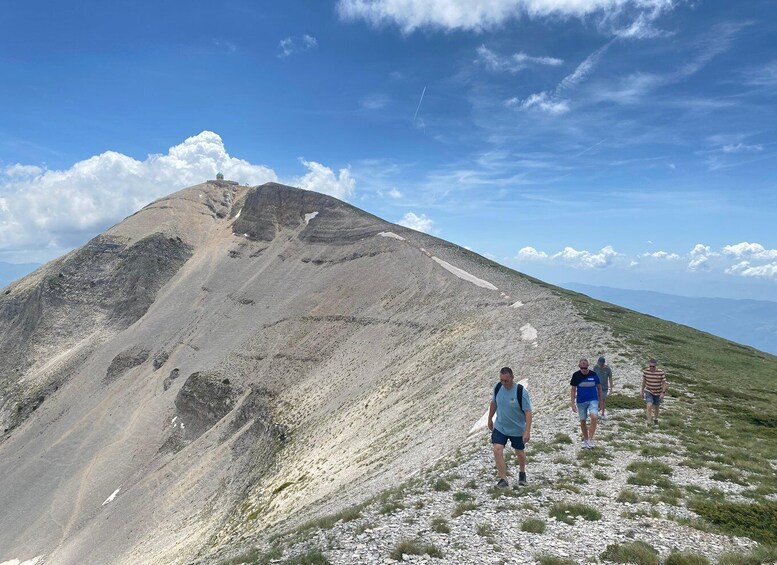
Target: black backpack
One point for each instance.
(519, 392)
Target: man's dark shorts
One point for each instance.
(501, 439)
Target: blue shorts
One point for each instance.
(501, 439)
(585, 408)
(651, 398)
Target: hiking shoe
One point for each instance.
(502, 484)
(591, 444)
(587, 444)
(522, 479)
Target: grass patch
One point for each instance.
(637, 552)
(551, 560)
(312, 557)
(757, 520)
(601, 476)
(440, 525)
(414, 547)
(533, 525)
(567, 513)
(462, 496)
(622, 402)
(441, 485)
(463, 507)
(756, 556)
(390, 508)
(729, 475)
(562, 439)
(485, 531)
(686, 558)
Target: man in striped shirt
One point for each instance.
(653, 390)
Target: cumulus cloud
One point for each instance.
(511, 63)
(531, 254)
(420, 223)
(586, 259)
(480, 15)
(394, 193)
(292, 45)
(323, 179)
(746, 269)
(572, 257)
(663, 255)
(44, 213)
(700, 256)
(750, 250)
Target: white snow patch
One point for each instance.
(482, 423)
(309, 217)
(462, 274)
(528, 333)
(392, 235)
(245, 235)
(174, 419)
(33, 561)
(238, 213)
(534, 344)
(182, 425)
(516, 304)
(110, 498)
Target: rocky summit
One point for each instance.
(250, 374)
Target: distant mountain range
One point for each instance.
(751, 322)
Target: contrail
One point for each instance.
(597, 144)
(419, 104)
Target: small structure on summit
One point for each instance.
(220, 180)
(219, 176)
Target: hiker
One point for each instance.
(602, 369)
(511, 403)
(586, 396)
(653, 390)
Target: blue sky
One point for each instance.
(628, 143)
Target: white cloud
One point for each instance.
(511, 63)
(586, 259)
(742, 148)
(543, 102)
(700, 256)
(292, 45)
(531, 254)
(324, 180)
(479, 15)
(753, 251)
(746, 269)
(420, 223)
(394, 193)
(663, 255)
(44, 213)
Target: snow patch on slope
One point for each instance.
(528, 333)
(110, 498)
(33, 561)
(462, 274)
(309, 217)
(391, 234)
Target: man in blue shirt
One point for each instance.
(587, 386)
(513, 422)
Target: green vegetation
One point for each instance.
(601, 476)
(441, 485)
(462, 496)
(533, 525)
(414, 547)
(637, 552)
(562, 439)
(312, 557)
(485, 531)
(550, 560)
(756, 556)
(757, 520)
(440, 525)
(565, 512)
(686, 558)
(463, 507)
(711, 381)
(390, 507)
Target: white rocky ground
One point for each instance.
(491, 532)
